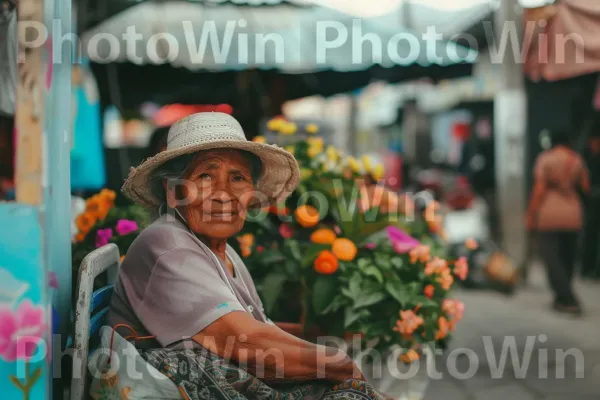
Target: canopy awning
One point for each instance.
(282, 37)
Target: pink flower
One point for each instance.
(286, 231)
(21, 331)
(337, 230)
(126, 226)
(401, 241)
(370, 246)
(102, 236)
(461, 268)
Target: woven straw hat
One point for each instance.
(212, 130)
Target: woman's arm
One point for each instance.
(538, 192)
(271, 354)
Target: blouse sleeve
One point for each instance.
(185, 294)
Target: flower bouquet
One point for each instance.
(102, 223)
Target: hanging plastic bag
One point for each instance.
(120, 373)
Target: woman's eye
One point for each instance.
(239, 178)
(204, 177)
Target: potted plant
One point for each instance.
(102, 223)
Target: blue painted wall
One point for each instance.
(23, 305)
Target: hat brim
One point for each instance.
(279, 176)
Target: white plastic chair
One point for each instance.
(91, 310)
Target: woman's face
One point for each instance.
(218, 190)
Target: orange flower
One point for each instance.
(108, 194)
(246, 242)
(80, 237)
(279, 210)
(445, 279)
(430, 211)
(409, 357)
(429, 291)
(344, 249)
(247, 239)
(408, 323)
(307, 216)
(471, 244)
(323, 236)
(326, 263)
(85, 222)
(461, 268)
(436, 224)
(122, 258)
(437, 265)
(98, 206)
(454, 309)
(420, 253)
(443, 328)
(246, 251)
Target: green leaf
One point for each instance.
(337, 303)
(294, 248)
(271, 289)
(324, 291)
(425, 302)
(382, 260)
(350, 317)
(271, 257)
(373, 271)
(397, 262)
(363, 263)
(354, 285)
(398, 292)
(369, 300)
(292, 268)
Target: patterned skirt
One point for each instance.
(202, 375)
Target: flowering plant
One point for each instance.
(343, 254)
(102, 223)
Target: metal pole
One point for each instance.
(510, 120)
(59, 123)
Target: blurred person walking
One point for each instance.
(590, 266)
(555, 214)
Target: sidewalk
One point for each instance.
(527, 318)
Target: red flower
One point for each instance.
(429, 290)
(286, 231)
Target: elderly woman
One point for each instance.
(185, 288)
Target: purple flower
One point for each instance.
(126, 226)
(102, 236)
(401, 241)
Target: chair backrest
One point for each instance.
(91, 310)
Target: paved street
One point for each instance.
(538, 332)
